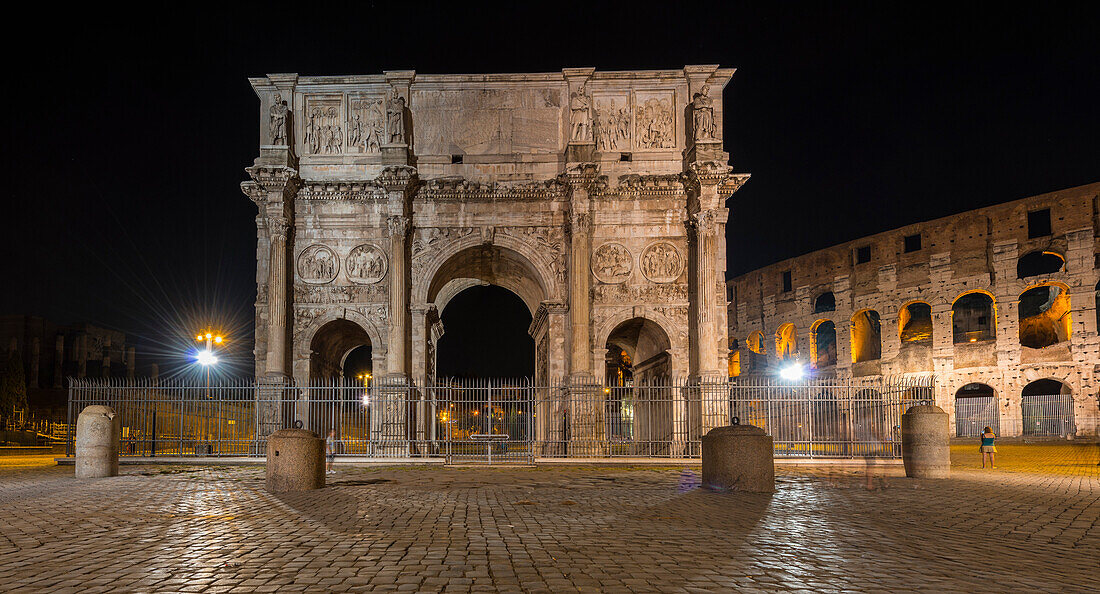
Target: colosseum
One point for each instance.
(999, 303)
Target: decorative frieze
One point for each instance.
(333, 294)
(318, 264)
(365, 264)
(661, 262)
(612, 263)
(651, 293)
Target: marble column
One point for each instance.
(580, 306)
(397, 228)
(706, 281)
(277, 228)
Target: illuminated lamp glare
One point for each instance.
(792, 372)
(205, 357)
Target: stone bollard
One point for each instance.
(739, 458)
(98, 431)
(295, 461)
(925, 442)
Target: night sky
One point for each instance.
(127, 137)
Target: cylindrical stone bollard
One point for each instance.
(295, 461)
(925, 442)
(739, 458)
(98, 431)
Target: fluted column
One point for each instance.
(706, 282)
(277, 228)
(580, 306)
(397, 228)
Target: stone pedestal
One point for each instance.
(98, 431)
(295, 461)
(738, 458)
(925, 445)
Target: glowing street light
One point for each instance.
(206, 358)
(792, 372)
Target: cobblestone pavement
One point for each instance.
(1030, 525)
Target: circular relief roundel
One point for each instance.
(318, 264)
(365, 264)
(662, 263)
(612, 263)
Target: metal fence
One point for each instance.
(490, 421)
(1048, 415)
(975, 413)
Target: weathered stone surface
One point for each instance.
(295, 461)
(738, 458)
(381, 197)
(925, 442)
(981, 254)
(98, 434)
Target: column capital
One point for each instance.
(705, 222)
(277, 226)
(397, 226)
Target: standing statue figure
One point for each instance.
(702, 111)
(396, 119)
(580, 118)
(277, 121)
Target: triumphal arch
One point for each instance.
(596, 197)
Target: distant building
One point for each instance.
(1000, 303)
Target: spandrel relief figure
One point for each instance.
(702, 111)
(317, 264)
(277, 120)
(580, 116)
(395, 117)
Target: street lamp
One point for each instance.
(206, 357)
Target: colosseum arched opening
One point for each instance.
(915, 332)
(786, 342)
(823, 344)
(825, 302)
(1046, 409)
(1045, 321)
(1039, 263)
(866, 343)
(976, 409)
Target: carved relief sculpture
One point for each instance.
(317, 264)
(654, 126)
(612, 127)
(365, 264)
(580, 116)
(324, 134)
(612, 263)
(702, 112)
(395, 118)
(662, 263)
(277, 120)
(367, 125)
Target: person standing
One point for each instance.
(330, 451)
(987, 448)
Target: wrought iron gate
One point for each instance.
(975, 413)
(487, 422)
(1049, 415)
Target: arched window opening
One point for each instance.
(786, 342)
(825, 302)
(735, 364)
(1039, 263)
(1044, 316)
(866, 336)
(915, 324)
(975, 409)
(756, 342)
(824, 344)
(972, 318)
(1046, 408)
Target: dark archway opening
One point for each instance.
(972, 318)
(866, 336)
(331, 346)
(637, 349)
(825, 344)
(916, 324)
(1039, 263)
(485, 335)
(825, 302)
(1046, 409)
(359, 363)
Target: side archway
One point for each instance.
(1046, 409)
(976, 409)
(823, 345)
(1045, 316)
(644, 346)
(330, 346)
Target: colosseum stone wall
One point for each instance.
(1000, 303)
